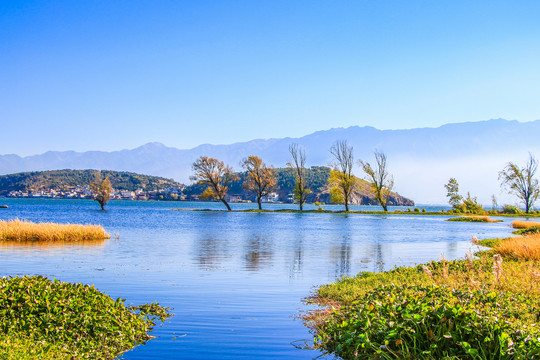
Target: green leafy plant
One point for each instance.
(74, 319)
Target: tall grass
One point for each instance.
(474, 218)
(520, 248)
(19, 230)
(518, 224)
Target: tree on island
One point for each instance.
(215, 174)
(342, 182)
(260, 178)
(381, 180)
(101, 190)
(298, 166)
(452, 193)
(521, 181)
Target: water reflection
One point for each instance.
(54, 246)
(210, 252)
(296, 262)
(257, 252)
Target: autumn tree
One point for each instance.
(101, 190)
(521, 181)
(452, 193)
(381, 180)
(298, 166)
(342, 181)
(216, 175)
(261, 179)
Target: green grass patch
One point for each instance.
(483, 219)
(442, 310)
(44, 319)
(528, 231)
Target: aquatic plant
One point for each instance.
(19, 230)
(49, 319)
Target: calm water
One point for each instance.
(235, 280)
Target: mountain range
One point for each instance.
(422, 159)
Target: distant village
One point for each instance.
(170, 194)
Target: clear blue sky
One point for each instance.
(104, 75)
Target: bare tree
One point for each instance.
(101, 189)
(381, 180)
(260, 179)
(298, 166)
(342, 178)
(215, 174)
(521, 181)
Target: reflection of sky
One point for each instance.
(233, 279)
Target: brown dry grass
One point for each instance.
(520, 248)
(18, 230)
(518, 224)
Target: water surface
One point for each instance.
(234, 280)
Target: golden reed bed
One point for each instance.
(519, 224)
(19, 230)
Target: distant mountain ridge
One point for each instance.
(410, 153)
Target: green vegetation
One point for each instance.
(18, 230)
(484, 219)
(44, 319)
(67, 179)
(483, 308)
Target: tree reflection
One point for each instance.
(258, 252)
(210, 253)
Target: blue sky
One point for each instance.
(78, 75)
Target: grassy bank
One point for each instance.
(44, 319)
(18, 230)
(477, 308)
(484, 219)
(374, 212)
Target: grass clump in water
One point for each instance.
(19, 230)
(483, 308)
(485, 219)
(518, 224)
(44, 319)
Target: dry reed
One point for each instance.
(520, 248)
(518, 224)
(19, 230)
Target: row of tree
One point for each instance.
(518, 181)
(261, 179)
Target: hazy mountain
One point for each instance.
(421, 159)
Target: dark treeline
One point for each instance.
(65, 179)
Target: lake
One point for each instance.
(235, 281)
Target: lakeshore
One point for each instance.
(233, 279)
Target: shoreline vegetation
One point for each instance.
(466, 217)
(49, 319)
(27, 231)
(482, 307)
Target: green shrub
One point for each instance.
(74, 318)
(416, 210)
(510, 209)
(528, 231)
(424, 210)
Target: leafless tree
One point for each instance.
(261, 179)
(298, 166)
(343, 177)
(521, 181)
(215, 174)
(381, 180)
